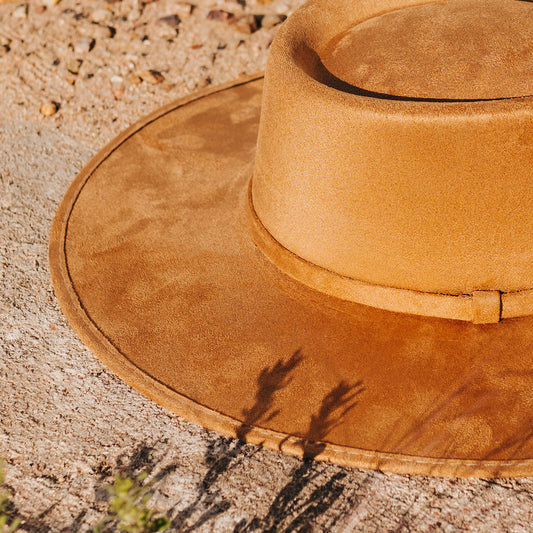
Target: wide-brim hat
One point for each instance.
(335, 261)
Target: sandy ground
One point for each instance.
(67, 424)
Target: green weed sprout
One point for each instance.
(128, 510)
(4, 500)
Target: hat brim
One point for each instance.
(155, 267)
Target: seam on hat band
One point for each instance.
(480, 307)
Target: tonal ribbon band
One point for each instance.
(480, 307)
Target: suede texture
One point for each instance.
(177, 268)
(428, 196)
(154, 265)
(455, 50)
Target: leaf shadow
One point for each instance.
(270, 381)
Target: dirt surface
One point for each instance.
(67, 424)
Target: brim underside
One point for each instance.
(154, 266)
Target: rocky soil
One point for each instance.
(74, 74)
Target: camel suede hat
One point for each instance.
(335, 261)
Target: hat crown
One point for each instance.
(391, 192)
(459, 49)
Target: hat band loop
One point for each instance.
(479, 307)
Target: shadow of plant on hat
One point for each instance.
(286, 505)
(334, 407)
(514, 445)
(269, 381)
(380, 226)
(335, 404)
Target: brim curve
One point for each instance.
(154, 265)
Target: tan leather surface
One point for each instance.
(154, 265)
(459, 49)
(427, 196)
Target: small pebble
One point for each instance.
(231, 5)
(134, 79)
(183, 9)
(84, 45)
(170, 20)
(49, 108)
(269, 21)
(166, 32)
(117, 86)
(134, 15)
(220, 15)
(96, 31)
(85, 29)
(144, 3)
(4, 41)
(167, 27)
(103, 32)
(21, 11)
(50, 3)
(202, 84)
(74, 65)
(99, 15)
(39, 9)
(247, 24)
(168, 86)
(151, 76)
(282, 8)
(4, 49)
